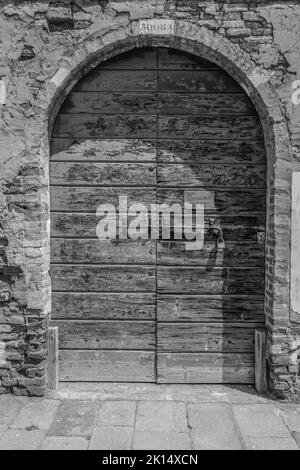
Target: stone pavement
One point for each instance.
(133, 416)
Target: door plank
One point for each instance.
(103, 251)
(235, 228)
(138, 58)
(106, 334)
(105, 126)
(205, 368)
(111, 80)
(205, 104)
(197, 81)
(211, 308)
(192, 152)
(203, 175)
(171, 59)
(234, 254)
(200, 127)
(113, 306)
(87, 198)
(105, 278)
(130, 150)
(224, 202)
(204, 337)
(106, 366)
(99, 102)
(210, 280)
(104, 174)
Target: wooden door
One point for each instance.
(160, 126)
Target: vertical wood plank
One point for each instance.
(260, 361)
(53, 357)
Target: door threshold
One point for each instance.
(156, 392)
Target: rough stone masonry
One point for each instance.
(44, 45)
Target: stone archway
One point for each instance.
(190, 38)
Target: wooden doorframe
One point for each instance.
(258, 86)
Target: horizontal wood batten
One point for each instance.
(237, 176)
(103, 251)
(139, 126)
(196, 81)
(101, 102)
(106, 366)
(92, 173)
(108, 278)
(87, 199)
(168, 58)
(210, 104)
(216, 81)
(143, 252)
(106, 334)
(91, 305)
(210, 308)
(233, 254)
(226, 127)
(104, 126)
(206, 337)
(82, 225)
(205, 368)
(101, 149)
(212, 280)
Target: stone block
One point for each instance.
(212, 427)
(64, 443)
(14, 439)
(75, 418)
(35, 414)
(112, 438)
(117, 413)
(9, 407)
(238, 32)
(164, 440)
(270, 443)
(161, 416)
(259, 421)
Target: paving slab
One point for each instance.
(75, 418)
(161, 416)
(64, 443)
(15, 439)
(35, 414)
(270, 443)
(141, 419)
(259, 421)
(212, 427)
(9, 407)
(290, 413)
(117, 413)
(111, 438)
(3, 428)
(296, 436)
(160, 440)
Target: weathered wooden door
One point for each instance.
(157, 125)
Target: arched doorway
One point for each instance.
(158, 125)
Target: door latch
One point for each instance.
(218, 232)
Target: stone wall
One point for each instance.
(43, 47)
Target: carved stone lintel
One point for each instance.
(157, 26)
